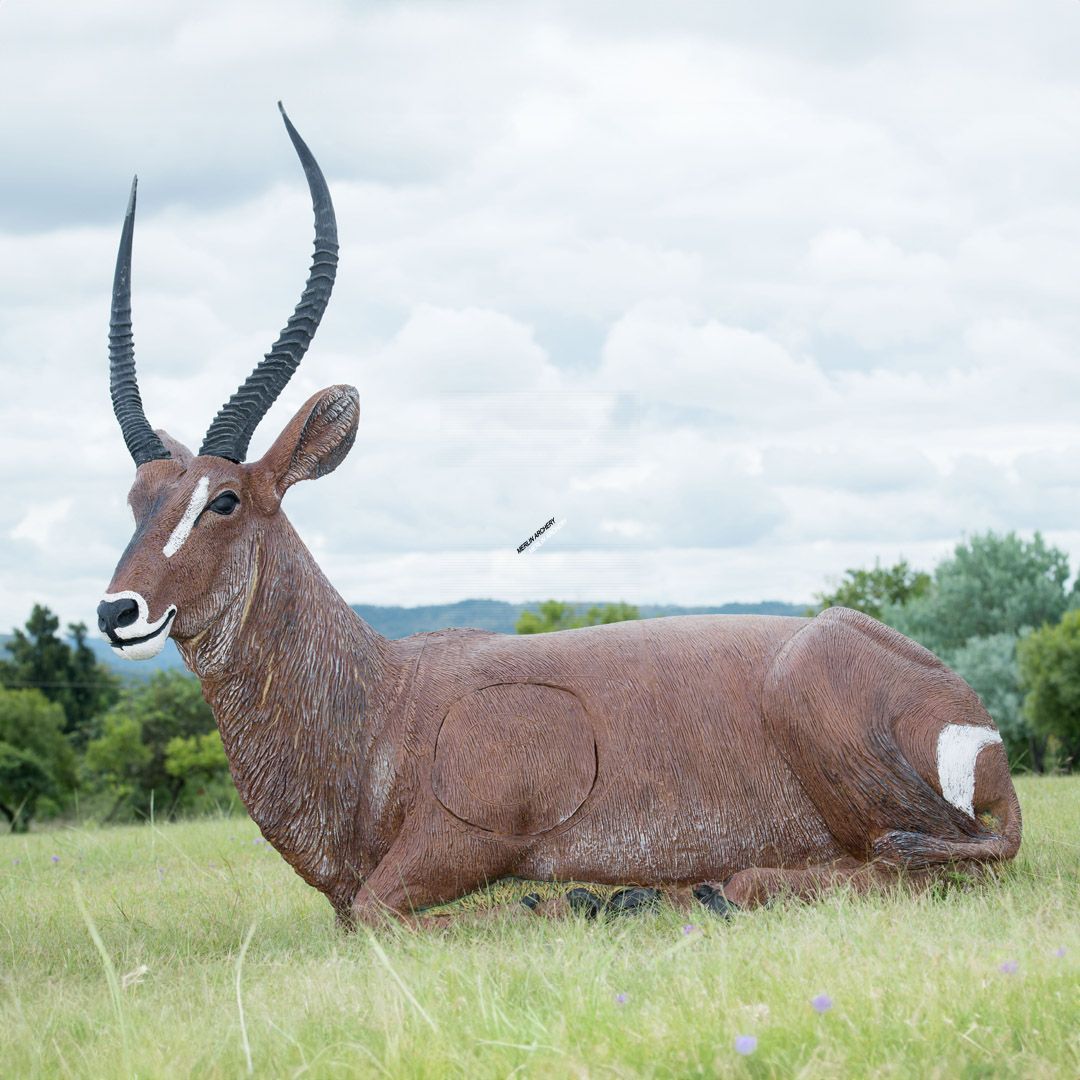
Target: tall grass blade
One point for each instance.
(240, 1000)
(385, 961)
(110, 976)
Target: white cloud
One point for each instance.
(40, 520)
(747, 297)
(742, 376)
(444, 351)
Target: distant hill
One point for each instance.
(498, 615)
(169, 657)
(398, 622)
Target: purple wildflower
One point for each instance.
(56, 858)
(689, 928)
(1010, 967)
(620, 999)
(745, 1044)
(1060, 950)
(822, 1003)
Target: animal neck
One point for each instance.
(293, 677)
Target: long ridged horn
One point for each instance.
(231, 431)
(141, 441)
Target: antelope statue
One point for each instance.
(734, 757)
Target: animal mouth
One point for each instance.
(123, 643)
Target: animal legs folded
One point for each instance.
(424, 867)
(758, 886)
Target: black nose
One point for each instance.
(114, 613)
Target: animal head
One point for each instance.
(200, 518)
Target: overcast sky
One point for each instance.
(745, 293)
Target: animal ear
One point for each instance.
(313, 443)
(177, 450)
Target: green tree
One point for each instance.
(196, 756)
(990, 666)
(992, 584)
(555, 615)
(66, 674)
(1050, 672)
(129, 759)
(873, 591)
(552, 615)
(36, 761)
(116, 762)
(201, 762)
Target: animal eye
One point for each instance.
(225, 503)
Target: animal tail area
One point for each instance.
(973, 773)
(858, 712)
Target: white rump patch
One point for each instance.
(184, 526)
(958, 748)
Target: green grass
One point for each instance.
(123, 958)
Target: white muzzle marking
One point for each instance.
(958, 748)
(199, 498)
(141, 639)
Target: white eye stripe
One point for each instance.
(184, 526)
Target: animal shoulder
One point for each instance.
(514, 759)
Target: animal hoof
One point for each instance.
(715, 900)
(627, 900)
(583, 902)
(530, 900)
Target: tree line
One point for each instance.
(999, 611)
(76, 740)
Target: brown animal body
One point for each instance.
(764, 753)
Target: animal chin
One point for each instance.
(146, 646)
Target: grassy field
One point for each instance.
(122, 954)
